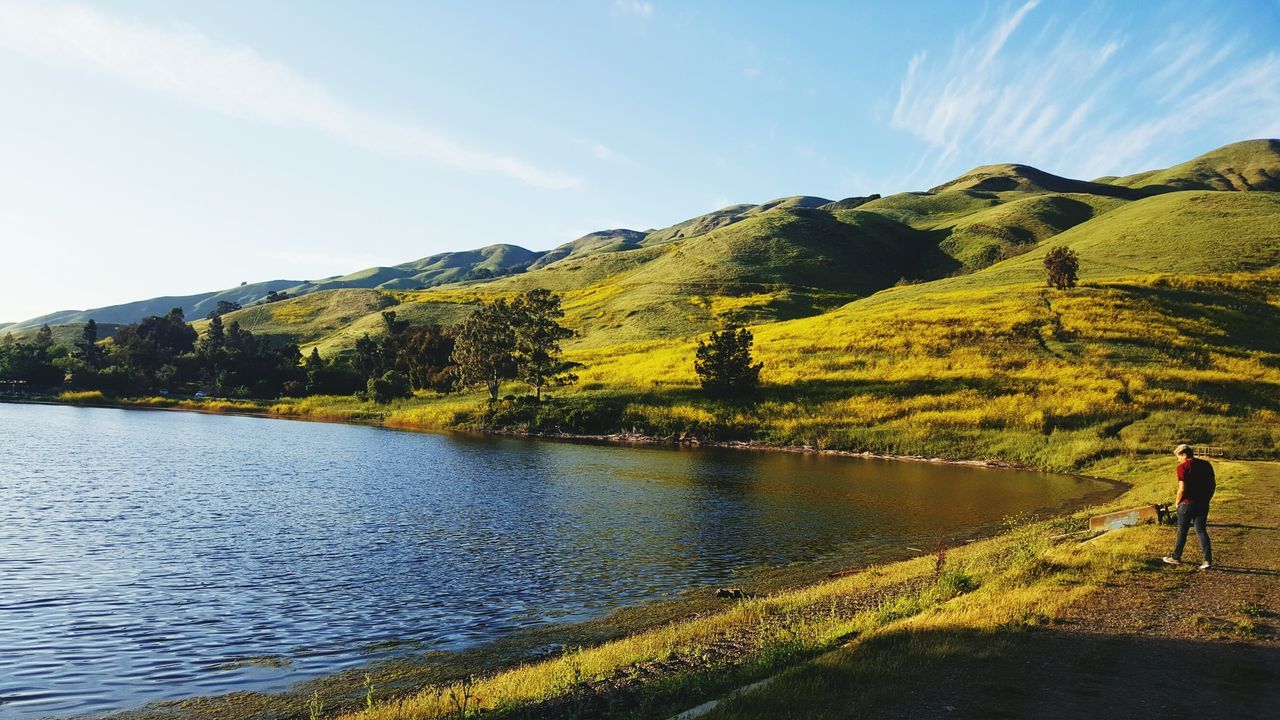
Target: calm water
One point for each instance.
(143, 552)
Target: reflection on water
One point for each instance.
(146, 555)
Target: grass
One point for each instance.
(76, 397)
(1016, 372)
(1248, 165)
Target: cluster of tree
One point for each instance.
(224, 307)
(516, 340)
(157, 354)
(233, 361)
(406, 358)
(503, 340)
(30, 363)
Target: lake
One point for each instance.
(148, 555)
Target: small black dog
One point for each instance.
(1165, 515)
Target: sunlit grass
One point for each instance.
(81, 396)
(1019, 373)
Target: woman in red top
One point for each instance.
(1196, 484)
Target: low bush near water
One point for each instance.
(82, 396)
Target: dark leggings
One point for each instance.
(1189, 513)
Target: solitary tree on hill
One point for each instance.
(723, 363)
(1062, 265)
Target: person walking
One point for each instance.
(1196, 484)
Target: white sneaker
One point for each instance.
(1170, 561)
(1205, 565)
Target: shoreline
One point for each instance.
(618, 438)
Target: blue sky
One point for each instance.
(172, 146)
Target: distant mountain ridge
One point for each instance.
(797, 254)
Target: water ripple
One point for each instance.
(145, 556)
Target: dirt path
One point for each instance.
(1158, 642)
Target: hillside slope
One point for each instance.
(795, 256)
(1247, 165)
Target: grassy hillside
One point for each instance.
(1033, 206)
(310, 317)
(776, 264)
(63, 335)
(1248, 165)
(1191, 232)
(1024, 178)
(914, 323)
(591, 243)
(727, 216)
(194, 306)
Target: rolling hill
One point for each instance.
(797, 256)
(1248, 165)
(918, 323)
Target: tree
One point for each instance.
(224, 307)
(156, 341)
(44, 339)
(210, 350)
(393, 338)
(485, 348)
(368, 361)
(538, 332)
(88, 345)
(393, 384)
(31, 364)
(1062, 265)
(426, 357)
(723, 363)
(331, 377)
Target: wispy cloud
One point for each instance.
(635, 7)
(233, 80)
(1068, 101)
(597, 149)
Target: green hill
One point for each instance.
(1248, 165)
(591, 243)
(798, 256)
(1184, 232)
(194, 306)
(1024, 178)
(703, 224)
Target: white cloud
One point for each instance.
(1071, 106)
(635, 7)
(233, 80)
(606, 153)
